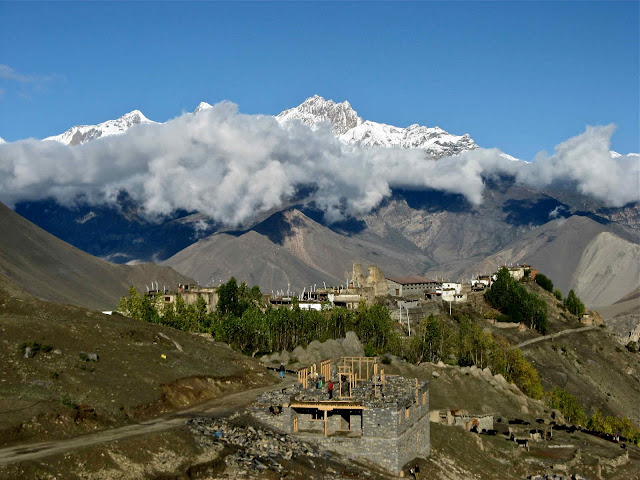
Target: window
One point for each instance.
(317, 415)
(167, 299)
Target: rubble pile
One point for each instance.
(556, 477)
(256, 449)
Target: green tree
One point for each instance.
(131, 305)
(558, 294)
(574, 305)
(569, 405)
(228, 303)
(545, 282)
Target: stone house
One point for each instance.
(411, 286)
(189, 293)
(462, 418)
(383, 419)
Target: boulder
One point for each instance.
(351, 345)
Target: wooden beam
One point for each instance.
(325, 422)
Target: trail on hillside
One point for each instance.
(226, 404)
(555, 335)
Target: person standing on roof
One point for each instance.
(330, 389)
(281, 370)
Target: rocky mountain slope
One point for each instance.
(51, 269)
(624, 317)
(599, 261)
(290, 248)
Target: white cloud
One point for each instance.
(230, 166)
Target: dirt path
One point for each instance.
(222, 405)
(555, 335)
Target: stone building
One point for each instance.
(189, 293)
(383, 419)
(411, 286)
(462, 418)
(375, 282)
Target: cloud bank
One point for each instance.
(231, 166)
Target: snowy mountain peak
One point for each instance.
(315, 110)
(2, 140)
(350, 128)
(202, 106)
(85, 133)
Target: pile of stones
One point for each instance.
(254, 448)
(546, 476)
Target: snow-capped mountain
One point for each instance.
(202, 106)
(2, 140)
(435, 141)
(350, 128)
(84, 133)
(316, 109)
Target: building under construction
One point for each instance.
(377, 417)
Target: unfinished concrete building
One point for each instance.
(377, 417)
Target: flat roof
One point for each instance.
(411, 279)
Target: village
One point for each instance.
(349, 404)
(408, 298)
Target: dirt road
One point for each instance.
(222, 405)
(555, 335)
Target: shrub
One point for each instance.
(34, 347)
(369, 351)
(558, 294)
(69, 403)
(386, 360)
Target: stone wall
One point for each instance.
(391, 453)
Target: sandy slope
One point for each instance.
(47, 267)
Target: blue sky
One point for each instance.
(519, 76)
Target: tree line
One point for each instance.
(574, 413)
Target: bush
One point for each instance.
(69, 403)
(34, 347)
(558, 294)
(369, 351)
(545, 282)
(386, 360)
